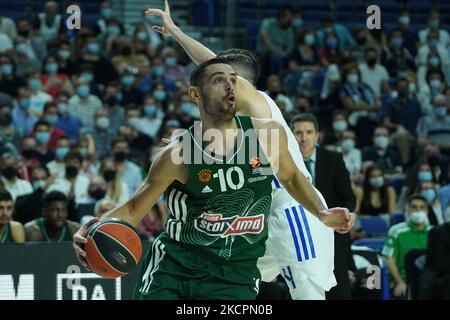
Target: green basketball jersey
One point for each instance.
(65, 232)
(7, 235)
(222, 210)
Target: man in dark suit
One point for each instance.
(331, 178)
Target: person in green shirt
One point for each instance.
(10, 231)
(53, 226)
(404, 237)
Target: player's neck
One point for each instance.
(217, 124)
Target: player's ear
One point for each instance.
(194, 93)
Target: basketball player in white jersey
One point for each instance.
(300, 246)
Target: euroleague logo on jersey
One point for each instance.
(204, 175)
(216, 225)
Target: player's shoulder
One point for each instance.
(266, 123)
(16, 225)
(32, 225)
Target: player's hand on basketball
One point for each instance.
(336, 218)
(168, 24)
(79, 242)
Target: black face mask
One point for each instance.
(126, 51)
(109, 175)
(29, 153)
(120, 156)
(371, 62)
(5, 119)
(9, 172)
(24, 33)
(97, 194)
(361, 40)
(71, 171)
(434, 159)
(112, 101)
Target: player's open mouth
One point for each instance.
(231, 99)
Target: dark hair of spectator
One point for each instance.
(5, 196)
(367, 188)
(74, 154)
(119, 140)
(41, 123)
(49, 105)
(305, 117)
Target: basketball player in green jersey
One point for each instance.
(218, 206)
(10, 231)
(53, 226)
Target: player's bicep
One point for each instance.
(19, 233)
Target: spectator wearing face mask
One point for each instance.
(430, 192)
(331, 52)
(107, 15)
(65, 58)
(112, 99)
(275, 91)
(374, 74)
(434, 47)
(86, 73)
(435, 128)
(401, 115)
(153, 118)
(25, 57)
(402, 238)
(104, 70)
(351, 154)
(433, 62)
(67, 122)
(100, 132)
(38, 98)
(443, 36)
(130, 92)
(117, 190)
(359, 99)
(51, 116)
(187, 110)
(382, 155)
(9, 179)
(57, 167)
(23, 119)
(339, 124)
(84, 104)
(172, 69)
(409, 37)
(329, 25)
(42, 134)
(396, 57)
(141, 43)
(49, 23)
(9, 133)
(148, 21)
(303, 57)
(125, 56)
(53, 81)
(74, 184)
(435, 85)
(9, 81)
(376, 196)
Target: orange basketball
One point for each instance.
(113, 248)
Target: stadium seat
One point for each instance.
(373, 243)
(397, 218)
(373, 225)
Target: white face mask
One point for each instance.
(418, 217)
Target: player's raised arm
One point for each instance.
(294, 180)
(161, 174)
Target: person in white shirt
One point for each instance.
(84, 104)
(433, 46)
(57, 167)
(74, 184)
(373, 73)
(9, 180)
(433, 25)
(38, 97)
(117, 190)
(8, 27)
(352, 155)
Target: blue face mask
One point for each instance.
(187, 108)
(61, 153)
(429, 194)
(64, 54)
(397, 42)
(440, 112)
(173, 123)
(24, 104)
(42, 137)
(51, 67)
(150, 110)
(34, 84)
(309, 39)
(83, 152)
(171, 62)
(52, 118)
(425, 176)
(297, 23)
(7, 69)
(113, 30)
(87, 76)
(376, 182)
(142, 36)
(93, 47)
(106, 13)
(159, 95)
(433, 61)
(331, 43)
(83, 90)
(158, 70)
(127, 80)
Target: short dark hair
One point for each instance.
(50, 104)
(52, 197)
(247, 62)
(119, 140)
(5, 196)
(416, 196)
(62, 138)
(197, 76)
(305, 117)
(41, 123)
(74, 154)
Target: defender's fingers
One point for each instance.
(166, 6)
(77, 239)
(158, 29)
(155, 12)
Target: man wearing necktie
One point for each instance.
(331, 178)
